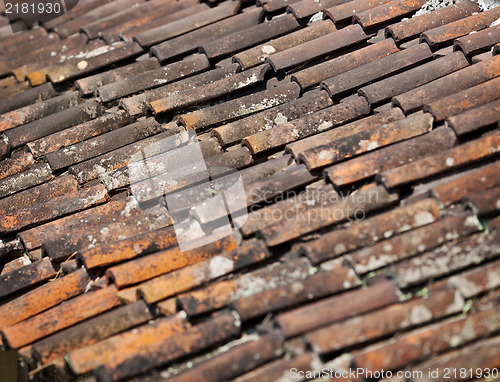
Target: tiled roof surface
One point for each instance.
(367, 140)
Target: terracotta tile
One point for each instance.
(186, 24)
(138, 104)
(368, 200)
(316, 48)
(61, 248)
(336, 308)
(310, 102)
(249, 37)
(60, 317)
(138, 245)
(366, 140)
(91, 331)
(89, 85)
(386, 12)
(113, 350)
(153, 78)
(70, 71)
(96, 216)
(184, 279)
(110, 120)
(254, 56)
(38, 110)
(477, 356)
(442, 162)
(53, 209)
(382, 91)
(205, 334)
(308, 125)
(466, 184)
(28, 97)
(410, 28)
(191, 41)
(43, 297)
(474, 23)
(460, 255)
(335, 277)
(475, 119)
(306, 8)
(223, 293)
(15, 264)
(12, 166)
(347, 9)
(450, 84)
(381, 323)
(486, 202)
(313, 75)
(443, 336)
(236, 361)
(371, 230)
(397, 154)
(165, 261)
(411, 243)
(210, 91)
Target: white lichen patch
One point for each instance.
(219, 266)
(420, 314)
(268, 49)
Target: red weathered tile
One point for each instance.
(486, 202)
(413, 242)
(184, 279)
(246, 38)
(104, 143)
(388, 320)
(12, 166)
(43, 297)
(91, 331)
(194, 339)
(166, 261)
(367, 200)
(478, 42)
(310, 102)
(34, 176)
(223, 293)
(121, 346)
(186, 24)
(461, 186)
(53, 209)
(426, 342)
(313, 75)
(450, 84)
(474, 282)
(475, 119)
(138, 104)
(366, 140)
(38, 110)
(377, 69)
(394, 155)
(448, 259)
(481, 355)
(308, 125)
(236, 360)
(371, 230)
(412, 27)
(442, 162)
(382, 91)
(153, 78)
(306, 8)
(335, 277)
(59, 317)
(210, 91)
(474, 23)
(386, 12)
(96, 216)
(345, 10)
(15, 264)
(336, 308)
(465, 100)
(256, 55)
(191, 41)
(318, 47)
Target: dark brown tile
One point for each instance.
(386, 12)
(475, 119)
(34, 176)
